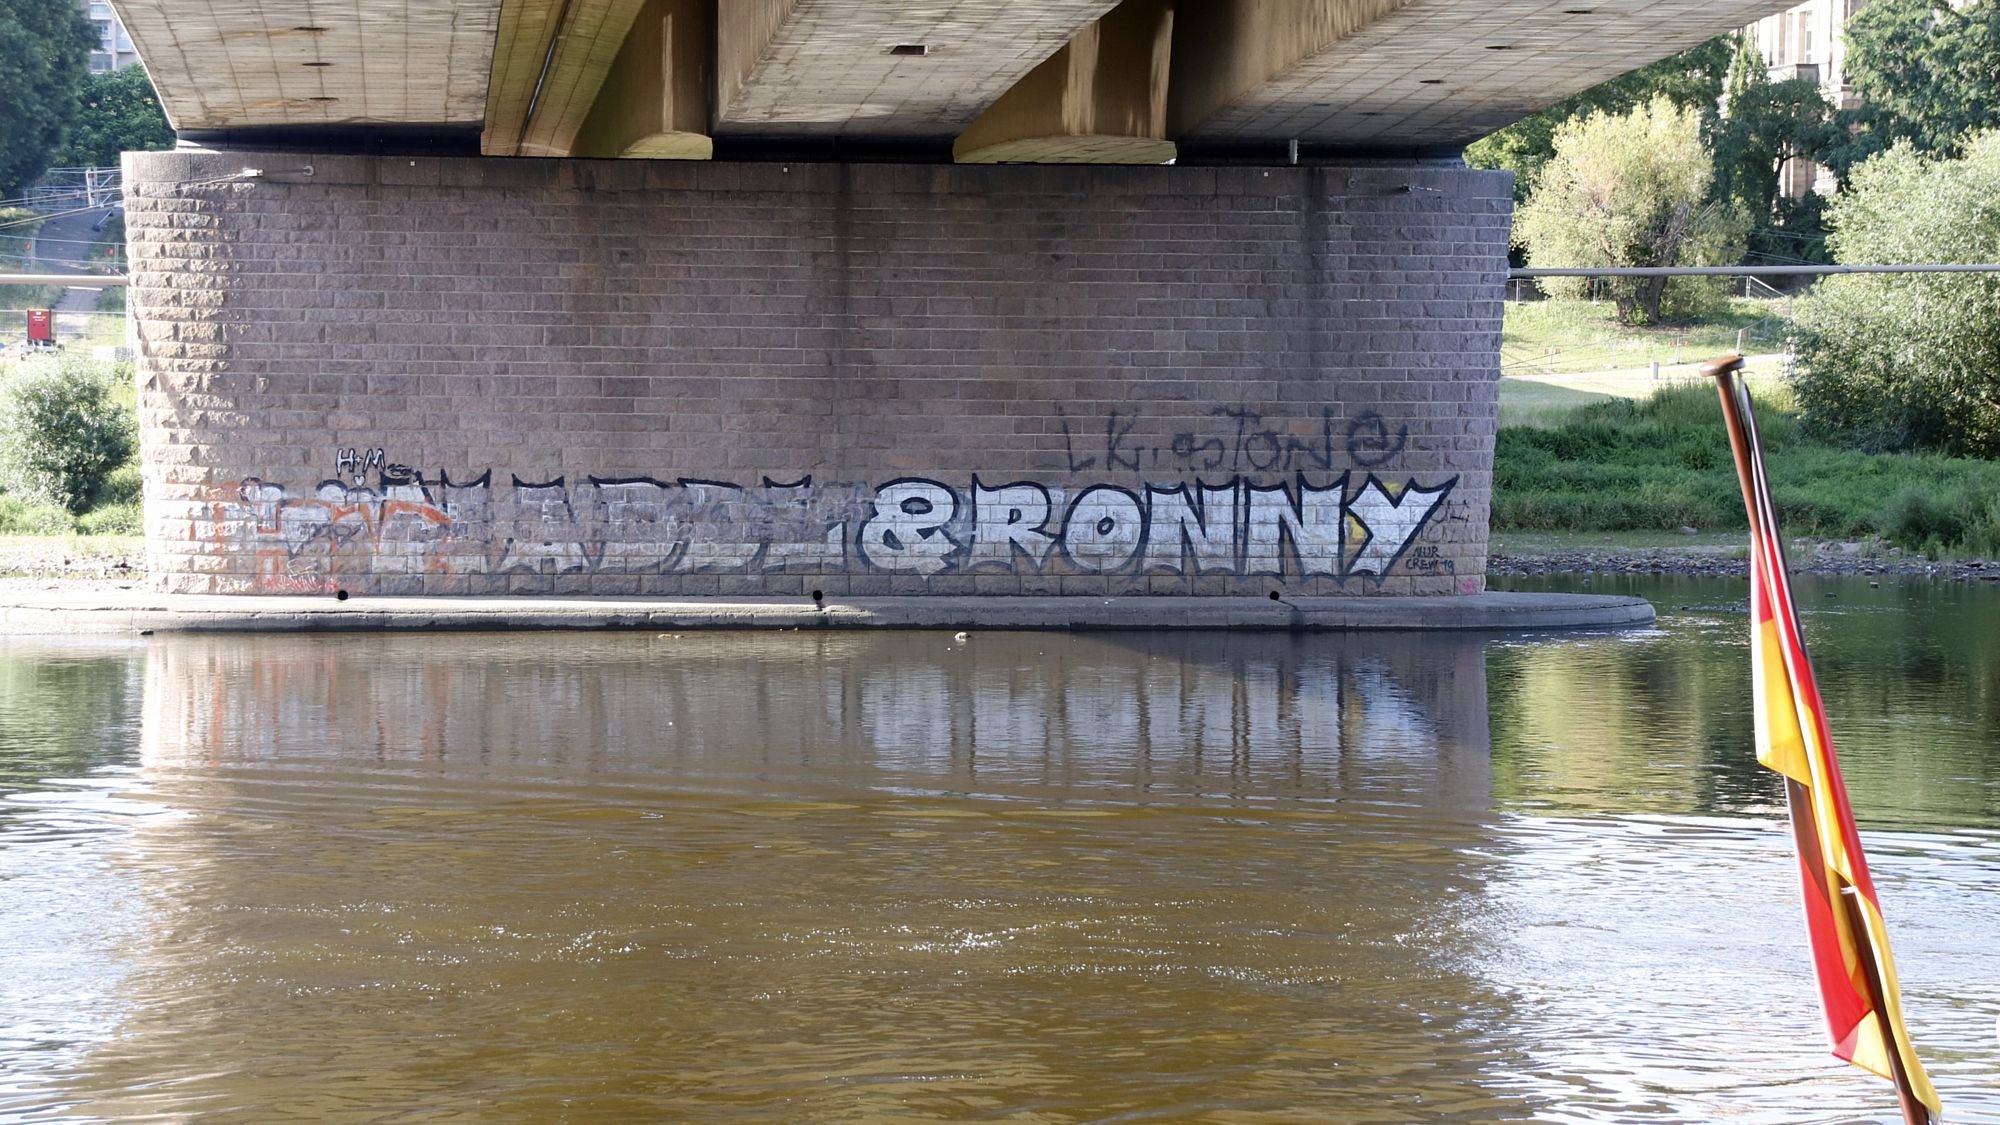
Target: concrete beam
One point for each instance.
(1102, 99)
(1386, 73)
(1230, 53)
(275, 64)
(654, 102)
(550, 60)
(862, 67)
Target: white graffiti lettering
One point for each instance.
(1300, 529)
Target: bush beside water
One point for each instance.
(1909, 361)
(1663, 463)
(68, 442)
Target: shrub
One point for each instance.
(18, 517)
(122, 486)
(1909, 361)
(61, 433)
(123, 518)
(1934, 520)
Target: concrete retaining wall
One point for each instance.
(515, 376)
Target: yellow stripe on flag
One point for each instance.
(1781, 745)
(1885, 967)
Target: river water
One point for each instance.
(1025, 878)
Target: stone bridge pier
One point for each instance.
(465, 375)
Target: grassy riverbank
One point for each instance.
(1662, 463)
(1555, 337)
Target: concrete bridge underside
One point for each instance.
(981, 81)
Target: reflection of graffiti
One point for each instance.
(1254, 710)
(1339, 527)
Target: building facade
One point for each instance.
(114, 47)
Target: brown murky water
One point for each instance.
(1037, 878)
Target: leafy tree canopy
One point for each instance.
(1927, 73)
(1631, 189)
(45, 50)
(1767, 126)
(120, 113)
(1902, 361)
(1692, 80)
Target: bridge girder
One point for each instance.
(1032, 81)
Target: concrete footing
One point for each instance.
(137, 611)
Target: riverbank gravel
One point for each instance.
(1804, 556)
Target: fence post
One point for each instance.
(1740, 333)
(1656, 371)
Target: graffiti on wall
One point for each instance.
(1341, 526)
(1233, 496)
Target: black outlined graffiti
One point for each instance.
(1103, 529)
(1392, 519)
(1203, 526)
(906, 533)
(1313, 526)
(1311, 520)
(1010, 525)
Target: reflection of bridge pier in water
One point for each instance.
(811, 877)
(1219, 714)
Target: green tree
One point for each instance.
(62, 432)
(45, 50)
(1631, 190)
(1692, 79)
(1927, 73)
(1765, 126)
(1909, 361)
(120, 113)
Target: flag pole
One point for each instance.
(1764, 529)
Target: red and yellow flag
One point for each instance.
(1850, 943)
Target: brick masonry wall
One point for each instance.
(516, 376)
